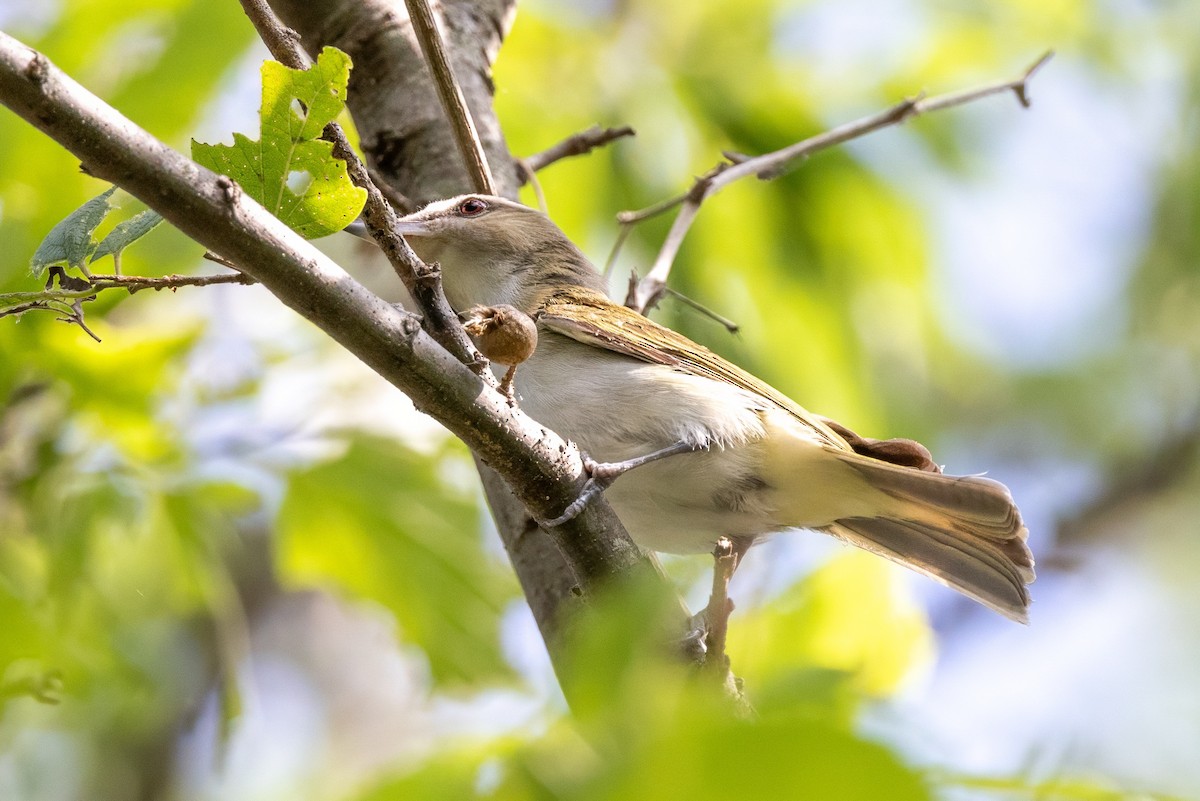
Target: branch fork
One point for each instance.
(646, 293)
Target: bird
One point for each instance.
(719, 454)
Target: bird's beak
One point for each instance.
(412, 227)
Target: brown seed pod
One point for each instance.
(503, 334)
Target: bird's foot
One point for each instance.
(726, 556)
(601, 476)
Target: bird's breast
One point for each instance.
(617, 408)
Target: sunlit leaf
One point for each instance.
(1062, 788)
(716, 757)
(851, 615)
(453, 774)
(291, 172)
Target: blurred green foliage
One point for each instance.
(379, 523)
(143, 565)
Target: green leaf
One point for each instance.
(1059, 788)
(70, 241)
(380, 524)
(716, 758)
(296, 107)
(852, 615)
(126, 233)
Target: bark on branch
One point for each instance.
(545, 472)
(406, 139)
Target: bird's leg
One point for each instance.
(601, 476)
(727, 555)
(506, 384)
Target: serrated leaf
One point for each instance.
(126, 233)
(296, 107)
(70, 241)
(379, 524)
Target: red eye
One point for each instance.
(472, 207)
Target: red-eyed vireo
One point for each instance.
(748, 461)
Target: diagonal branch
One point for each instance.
(545, 472)
(407, 142)
(425, 27)
(422, 281)
(647, 292)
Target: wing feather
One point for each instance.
(589, 317)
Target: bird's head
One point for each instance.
(495, 251)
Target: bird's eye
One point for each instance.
(471, 207)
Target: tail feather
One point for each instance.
(964, 531)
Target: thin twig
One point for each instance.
(1146, 477)
(425, 27)
(216, 258)
(130, 283)
(575, 145)
(622, 235)
(650, 289)
(730, 325)
(75, 315)
(422, 281)
(135, 283)
(67, 301)
(282, 41)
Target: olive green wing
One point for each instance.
(589, 317)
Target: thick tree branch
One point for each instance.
(645, 294)
(405, 138)
(544, 472)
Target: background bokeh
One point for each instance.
(234, 564)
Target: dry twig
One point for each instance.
(68, 299)
(449, 92)
(574, 145)
(647, 292)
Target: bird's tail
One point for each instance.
(964, 531)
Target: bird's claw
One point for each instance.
(601, 475)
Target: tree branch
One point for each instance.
(647, 292)
(130, 283)
(574, 145)
(1147, 477)
(422, 282)
(404, 136)
(544, 472)
(67, 301)
(425, 27)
